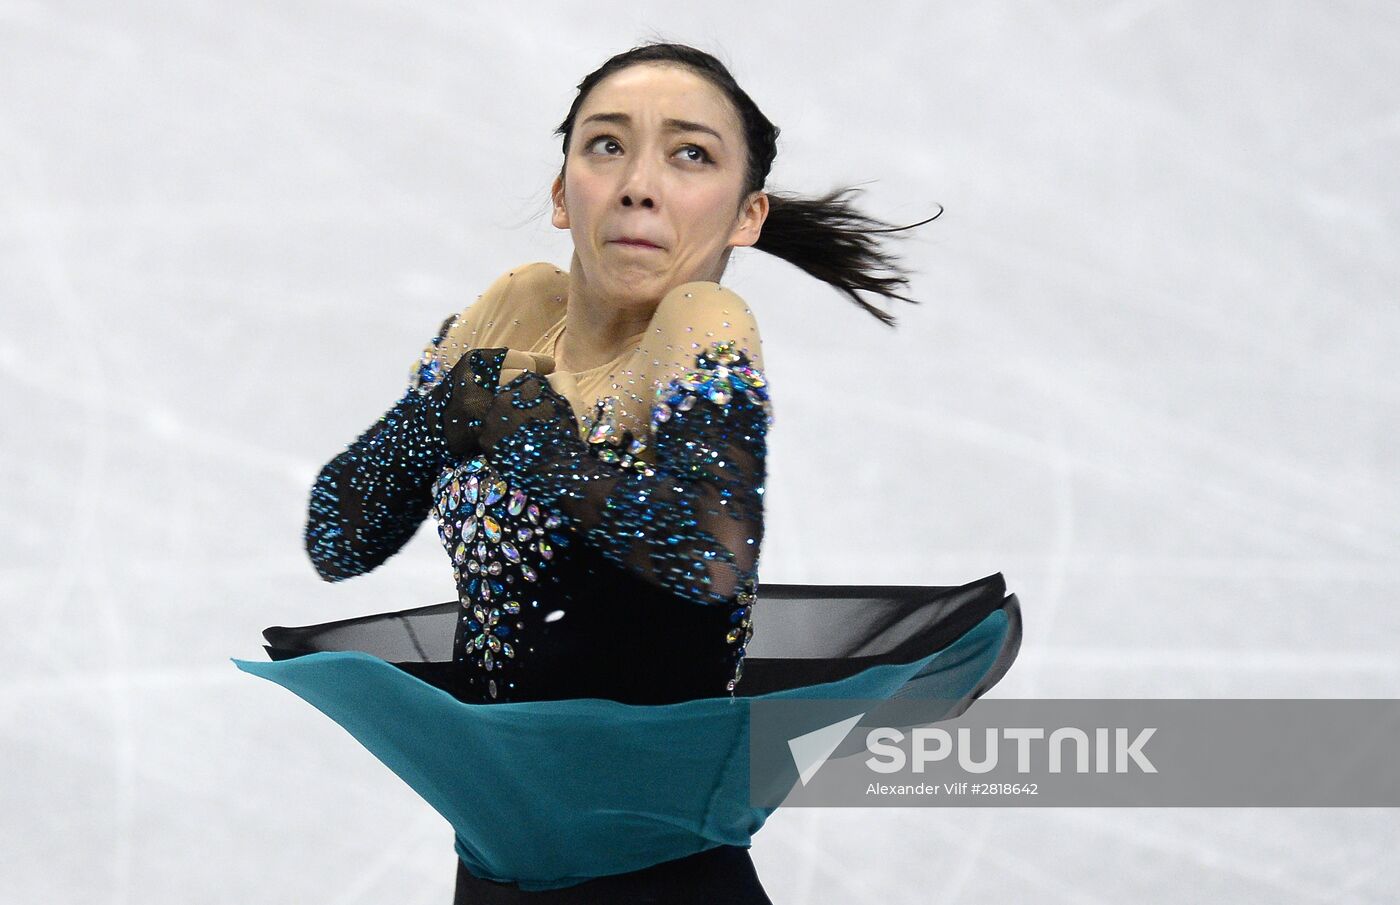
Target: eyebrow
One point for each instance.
(674, 125)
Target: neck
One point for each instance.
(596, 328)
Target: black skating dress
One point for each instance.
(580, 713)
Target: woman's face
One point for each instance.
(630, 172)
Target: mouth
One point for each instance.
(635, 243)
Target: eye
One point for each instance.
(704, 155)
(607, 138)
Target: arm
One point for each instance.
(693, 523)
(368, 501)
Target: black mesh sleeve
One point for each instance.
(368, 501)
(693, 522)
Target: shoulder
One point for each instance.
(693, 348)
(535, 283)
(515, 311)
(692, 317)
(704, 344)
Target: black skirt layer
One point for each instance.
(537, 825)
(803, 634)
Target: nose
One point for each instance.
(639, 186)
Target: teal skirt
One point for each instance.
(551, 793)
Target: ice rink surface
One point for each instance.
(1151, 379)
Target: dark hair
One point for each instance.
(825, 236)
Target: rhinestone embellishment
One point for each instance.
(499, 541)
(613, 443)
(721, 372)
(741, 633)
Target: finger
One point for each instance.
(517, 359)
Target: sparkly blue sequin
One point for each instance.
(428, 371)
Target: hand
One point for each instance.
(467, 391)
(517, 363)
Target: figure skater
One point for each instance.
(591, 446)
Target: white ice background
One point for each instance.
(1151, 379)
